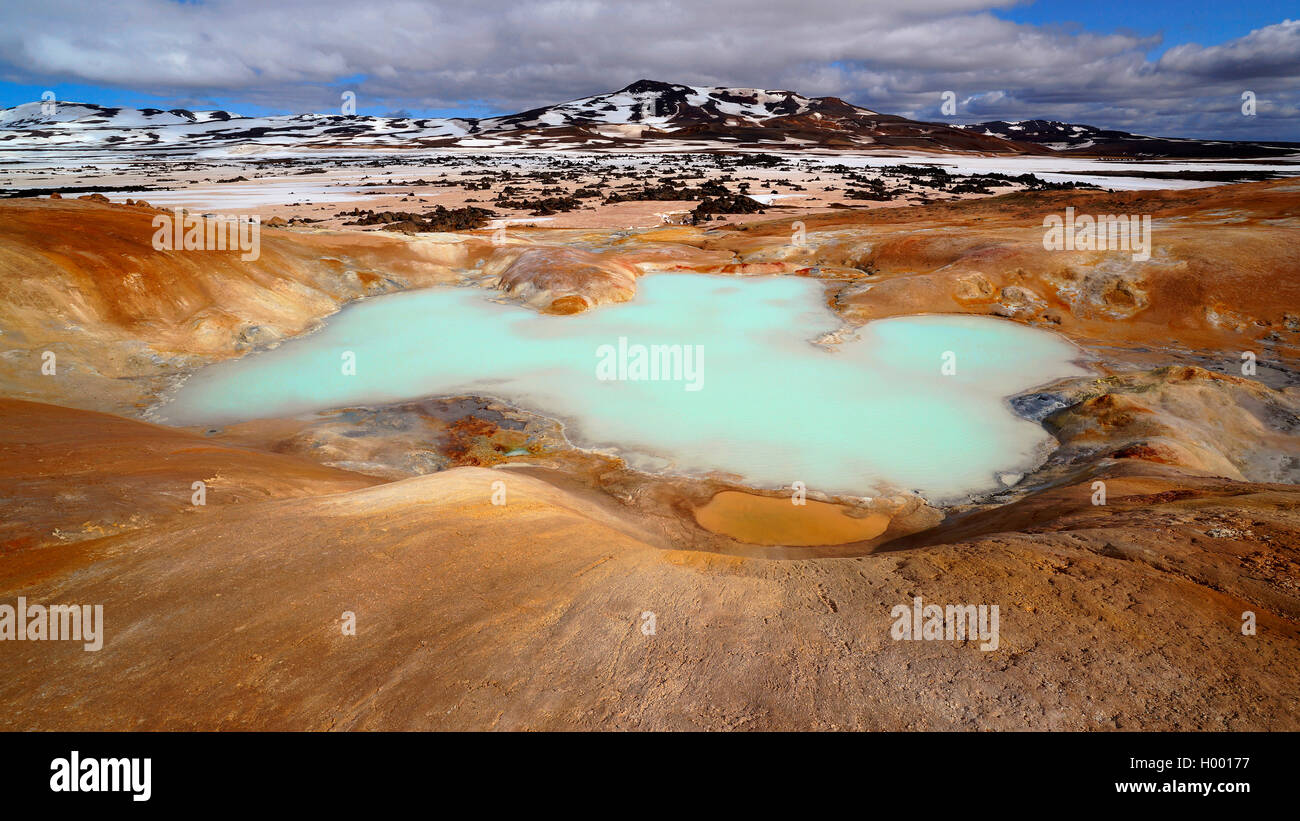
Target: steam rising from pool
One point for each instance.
(873, 413)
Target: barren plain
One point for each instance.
(532, 614)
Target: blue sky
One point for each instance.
(1149, 66)
(1179, 21)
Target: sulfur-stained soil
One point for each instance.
(501, 578)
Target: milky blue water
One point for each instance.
(866, 416)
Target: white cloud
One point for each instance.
(895, 57)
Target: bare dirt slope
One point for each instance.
(70, 475)
(529, 615)
(1126, 615)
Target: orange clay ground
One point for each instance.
(533, 614)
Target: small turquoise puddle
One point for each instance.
(866, 416)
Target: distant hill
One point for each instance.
(647, 114)
(1087, 140)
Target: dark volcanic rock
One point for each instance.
(727, 204)
(439, 219)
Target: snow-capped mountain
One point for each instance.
(646, 114)
(667, 106)
(1075, 138)
(700, 116)
(36, 115)
(84, 125)
(1055, 135)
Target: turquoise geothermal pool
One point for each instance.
(734, 385)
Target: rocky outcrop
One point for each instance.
(1208, 423)
(561, 280)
